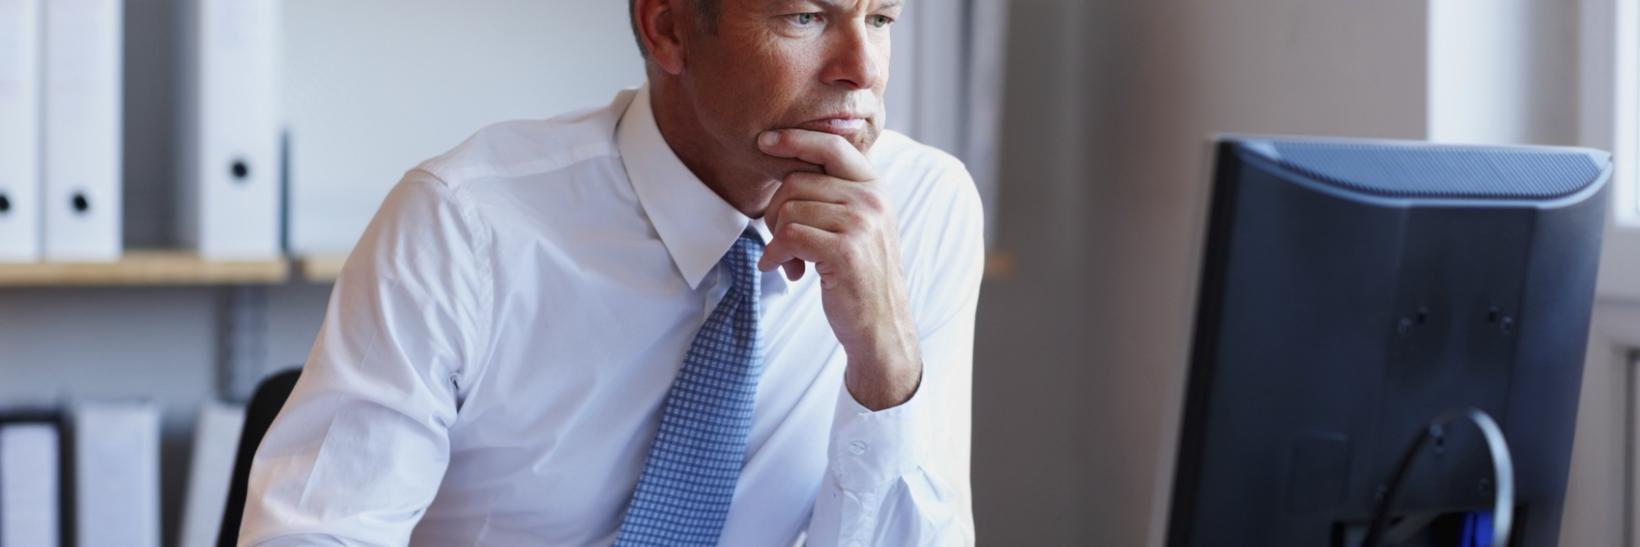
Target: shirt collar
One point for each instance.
(697, 226)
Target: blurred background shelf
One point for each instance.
(1000, 265)
(321, 268)
(147, 267)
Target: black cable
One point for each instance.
(1503, 510)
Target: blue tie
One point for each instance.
(684, 493)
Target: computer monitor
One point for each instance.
(1355, 292)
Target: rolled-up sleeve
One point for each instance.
(900, 476)
(360, 447)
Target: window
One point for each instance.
(1610, 107)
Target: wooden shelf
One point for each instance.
(1000, 265)
(321, 268)
(147, 268)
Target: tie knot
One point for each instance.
(742, 258)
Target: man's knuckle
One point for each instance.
(790, 208)
(874, 202)
(789, 232)
(856, 219)
(849, 251)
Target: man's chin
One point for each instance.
(865, 141)
(862, 140)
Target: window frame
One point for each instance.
(1610, 120)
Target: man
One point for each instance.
(577, 331)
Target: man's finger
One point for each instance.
(831, 152)
(795, 242)
(830, 217)
(807, 187)
(794, 269)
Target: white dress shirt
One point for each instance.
(495, 354)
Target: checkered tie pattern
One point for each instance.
(684, 492)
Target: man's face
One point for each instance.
(820, 65)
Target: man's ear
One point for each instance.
(660, 24)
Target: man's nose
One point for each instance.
(855, 60)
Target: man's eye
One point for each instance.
(804, 19)
(880, 21)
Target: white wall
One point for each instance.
(376, 86)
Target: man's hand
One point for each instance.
(841, 221)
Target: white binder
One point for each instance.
(82, 94)
(116, 473)
(20, 132)
(230, 196)
(29, 485)
(216, 445)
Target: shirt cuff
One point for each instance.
(870, 449)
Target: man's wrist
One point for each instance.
(880, 382)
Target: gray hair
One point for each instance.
(705, 10)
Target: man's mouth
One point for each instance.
(847, 126)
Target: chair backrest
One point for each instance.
(264, 406)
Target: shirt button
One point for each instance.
(857, 448)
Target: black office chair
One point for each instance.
(264, 406)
